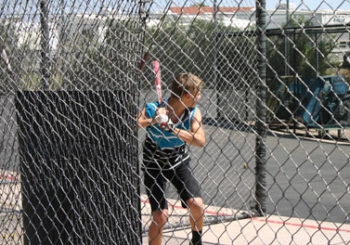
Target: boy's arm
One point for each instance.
(196, 135)
(143, 120)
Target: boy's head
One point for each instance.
(186, 83)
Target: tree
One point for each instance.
(189, 48)
(307, 53)
(199, 4)
(105, 59)
(8, 61)
(307, 57)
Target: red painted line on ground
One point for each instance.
(205, 211)
(300, 225)
(270, 221)
(7, 177)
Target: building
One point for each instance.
(228, 16)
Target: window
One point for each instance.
(343, 44)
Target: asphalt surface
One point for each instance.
(305, 178)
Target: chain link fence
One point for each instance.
(275, 106)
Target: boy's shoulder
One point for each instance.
(154, 104)
(151, 108)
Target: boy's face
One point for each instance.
(191, 100)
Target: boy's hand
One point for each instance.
(162, 118)
(161, 110)
(170, 126)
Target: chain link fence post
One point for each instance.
(45, 45)
(260, 147)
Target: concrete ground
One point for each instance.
(258, 230)
(268, 230)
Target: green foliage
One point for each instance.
(180, 47)
(199, 4)
(101, 64)
(237, 64)
(307, 57)
(307, 53)
(8, 43)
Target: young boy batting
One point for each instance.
(165, 153)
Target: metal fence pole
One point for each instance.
(286, 41)
(260, 147)
(215, 33)
(45, 46)
(215, 63)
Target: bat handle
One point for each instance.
(163, 125)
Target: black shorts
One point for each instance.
(154, 157)
(181, 177)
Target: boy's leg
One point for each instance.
(189, 190)
(196, 219)
(155, 232)
(155, 184)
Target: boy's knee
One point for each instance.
(195, 204)
(160, 217)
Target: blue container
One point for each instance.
(321, 90)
